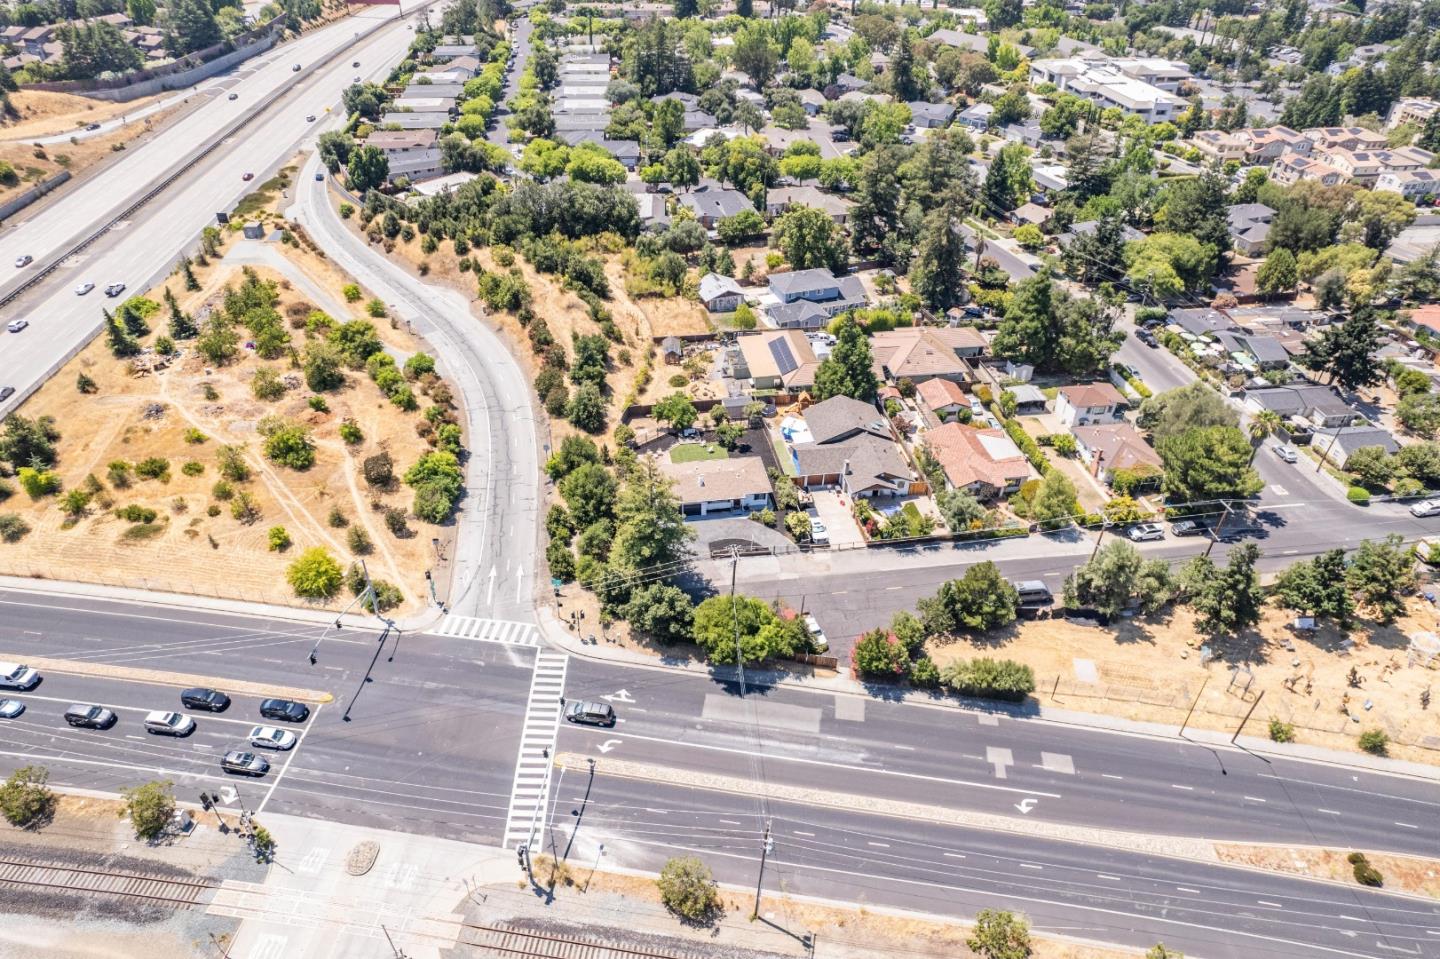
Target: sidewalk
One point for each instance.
(555, 634)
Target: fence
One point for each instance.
(22, 200)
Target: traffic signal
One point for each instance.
(206, 803)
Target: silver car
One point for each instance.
(271, 737)
(1144, 532)
(18, 676)
(1426, 507)
(84, 288)
(10, 708)
(1286, 453)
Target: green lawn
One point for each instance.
(694, 452)
(782, 452)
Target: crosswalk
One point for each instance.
(507, 631)
(531, 788)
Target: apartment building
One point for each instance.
(1292, 167)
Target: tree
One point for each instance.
(1207, 463)
(28, 442)
(218, 342)
(686, 8)
(723, 622)
(960, 510)
(937, 274)
(315, 574)
(1372, 466)
(1375, 217)
(810, 239)
(589, 163)
(1227, 599)
(335, 147)
(1183, 408)
(25, 797)
(687, 888)
(1028, 333)
(1007, 184)
(367, 169)
(998, 934)
(740, 227)
(980, 600)
(677, 410)
(544, 159)
(1263, 424)
(1198, 207)
(1421, 462)
(149, 808)
(1277, 274)
(875, 227)
(1318, 587)
(439, 484)
(191, 26)
(1346, 352)
(288, 444)
(879, 654)
(754, 54)
(590, 492)
(1054, 505)
(586, 409)
(662, 612)
(1380, 574)
(1419, 413)
(1118, 577)
(650, 532)
(849, 369)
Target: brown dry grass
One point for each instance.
(194, 552)
(45, 113)
(35, 163)
(1150, 670)
(1408, 874)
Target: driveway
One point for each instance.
(834, 510)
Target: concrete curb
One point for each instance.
(162, 677)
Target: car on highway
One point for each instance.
(1144, 532)
(1286, 453)
(818, 639)
(10, 708)
(1426, 507)
(357, 79)
(6, 392)
(295, 68)
(18, 676)
(15, 326)
(89, 716)
(248, 177)
(162, 723)
(271, 737)
(23, 261)
(590, 714)
(247, 764)
(1187, 527)
(286, 710)
(1148, 338)
(310, 118)
(233, 96)
(355, 64)
(115, 289)
(84, 288)
(202, 697)
(319, 176)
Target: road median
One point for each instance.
(162, 677)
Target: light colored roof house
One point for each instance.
(394, 142)
(977, 116)
(812, 100)
(1115, 446)
(417, 165)
(1292, 167)
(1337, 444)
(1266, 144)
(1087, 227)
(1266, 351)
(834, 294)
(1221, 146)
(1084, 404)
(415, 121)
(1411, 184)
(985, 463)
(942, 397)
(776, 359)
(1410, 110)
(653, 215)
(779, 200)
(719, 486)
(719, 293)
(923, 114)
(924, 353)
(424, 104)
(1140, 86)
(451, 91)
(1347, 138)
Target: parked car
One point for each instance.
(1426, 507)
(1033, 592)
(86, 716)
(818, 532)
(246, 764)
(271, 737)
(15, 326)
(1144, 532)
(285, 709)
(1148, 338)
(84, 288)
(18, 676)
(1187, 527)
(590, 714)
(1286, 453)
(817, 635)
(23, 261)
(115, 289)
(164, 723)
(201, 697)
(10, 708)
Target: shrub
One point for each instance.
(194, 436)
(359, 541)
(1281, 732)
(244, 508)
(879, 654)
(232, 463)
(1374, 741)
(679, 380)
(376, 309)
(85, 384)
(318, 404)
(12, 527)
(688, 889)
(350, 432)
(290, 445)
(351, 292)
(135, 513)
(924, 673)
(379, 470)
(154, 467)
(212, 510)
(75, 503)
(315, 574)
(438, 483)
(418, 365)
(1365, 874)
(1358, 495)
(192, 468)
(149, 808)
(222, 490)
(395, 522)
(987, 678)
(25, 797)
(337, 518)
(347, 210)
(279, 539)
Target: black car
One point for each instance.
(6, 392)
(286, 710)
(1187, 527)
(210, 700)
(1148, 338)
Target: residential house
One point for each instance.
(1201, 321)
(1087, 403)
(810, 292)
(1413, 185)
(975, 43)
(1250, 227)
(627, 152)
(672, 350)
(1026, 132)
(704, 487)
(653, 215)
(1028, 398)
(930, 115)
(415, 121)
(424, 104)
(985, 463)
(1313, 405)
(1255, 351)
(1086, 227)
(780, 199)
(1292, 167)
(977, 116)
(1346, 138)
(774, 360)
(1268, 144)
(1139, 86)
(846, 443)
(1221, 147)
(450, 91)
(845, 83)
(812, 100)
(712, 206)
(720, 294)
(944, 398)
(1425, 318)
(921, 353)
(1414, 110)
(1337, 444)
(1032, 214)
(1109, 447)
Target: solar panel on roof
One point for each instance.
(784, 359)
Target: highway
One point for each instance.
(60, 321)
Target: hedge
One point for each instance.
(1024, 440)
(1358, 495)
(985, 678)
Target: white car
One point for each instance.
(817, 635)
(18, 676)
(1144, 532)
(271, 737)
(23, 261)
(15, 326)
(1426, 507)
(1286, 453)
(10, 708)
(818, 532)
(84, 288)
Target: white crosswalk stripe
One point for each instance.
(507, 631)
(531, 789)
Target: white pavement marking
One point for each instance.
(1253, 799)
(531, 787)
(988, 719)
(506, 631)
(289, 758)
(999, 757)
(1057, 763)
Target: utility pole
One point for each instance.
(760, 879)
(1219, 527)
(735, 617)
(1104, 525)
(1326, 455)
(1193, 705)
(1248, 714)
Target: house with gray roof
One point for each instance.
(1315, 405)
(977, 116)
(712, 206)
(930, 115)
(849, 445)
(1336, 445)
(415, 121)
(720, 294)
(1250, 227)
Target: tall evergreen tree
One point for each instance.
(937, 275)
(849, 369)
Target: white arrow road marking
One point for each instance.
(623, 696)
(1027, 804)
(608, 745)
(490, 593)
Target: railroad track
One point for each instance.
(500, 941)
(160, 890)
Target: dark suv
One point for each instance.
(285, 709)
(210, 700)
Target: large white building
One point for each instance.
(1142, 86)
